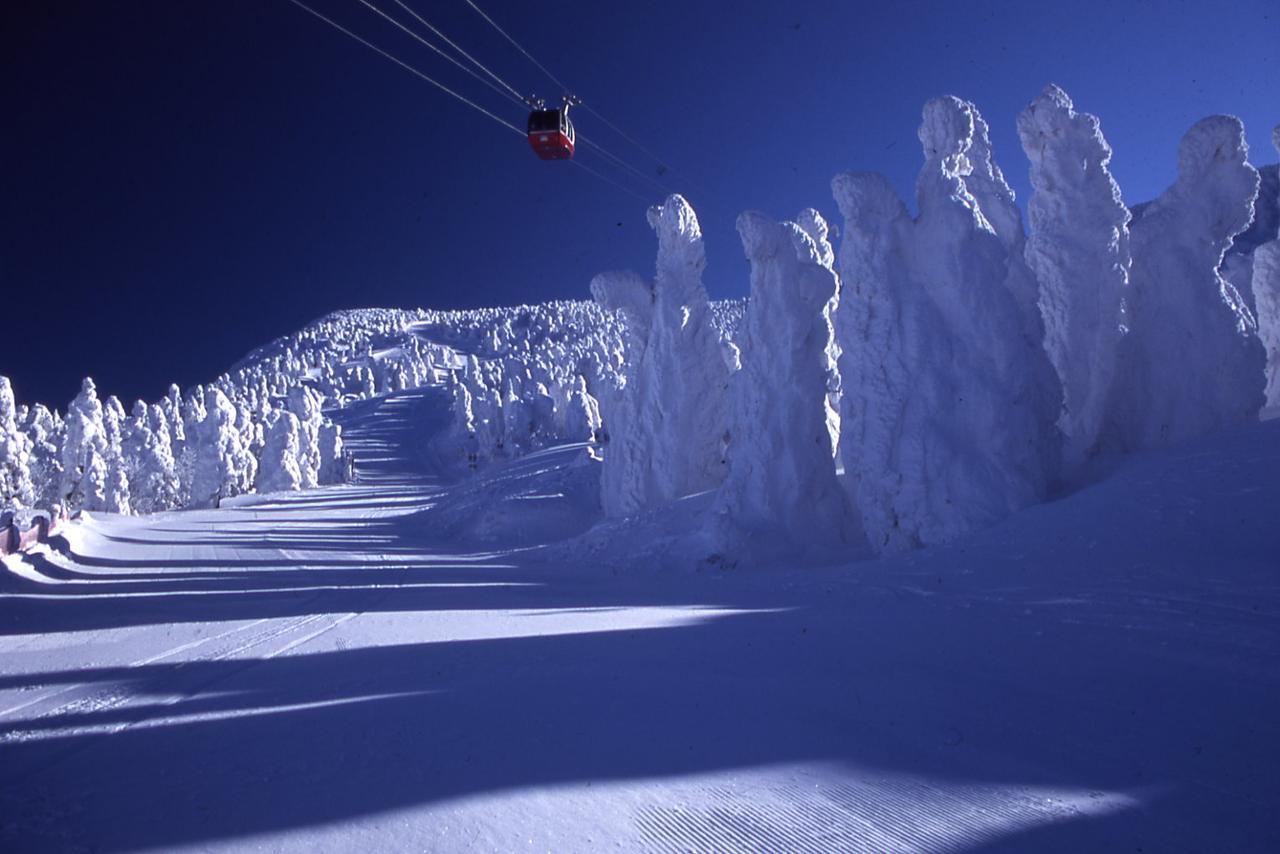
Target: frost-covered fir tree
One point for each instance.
(16, 489)
(624, 486)
(332, 457)
(278, 469)
(44, 432)
(815, 226)
(150, 465)
(949, 403)
(306, 405)
(223, 466)
(781, 491)
(676, 385)
(114, 421)
(1266, 292)
(85, 452)
(1079, 250)
(1192, 361)
(582, 413)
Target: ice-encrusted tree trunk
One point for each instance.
(1192, 361)
(16, 488)
(1266, 291)
(670, 424)
(949, 408)
(781, 489)
(84, 452)
(1079, 251)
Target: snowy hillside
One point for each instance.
(339, 669)
(957, 536)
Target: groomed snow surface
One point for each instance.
(338, 670)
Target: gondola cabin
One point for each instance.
(551, 134)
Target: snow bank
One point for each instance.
(1079, 251)
(781, 492)
(949, 403)
(1192, 361)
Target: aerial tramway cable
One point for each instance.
(453, 45)
(513, 94)
(407, 67)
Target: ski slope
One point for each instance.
(339, 670)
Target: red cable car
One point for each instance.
(551, 132)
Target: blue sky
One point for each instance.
(185, 181)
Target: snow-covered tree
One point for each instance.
(332, 456)
(582, 413)
(223, 466)
(84, 452)
(1266, 291)
(815, 226)
(16, 488)
(149, 461)
(677, 385)
(1079, 250)
(1192, 361)
(624, 488)
(306, 405)
(44, 432)
(949, 403)
(781, 489)
(278, 469)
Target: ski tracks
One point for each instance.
(154, 689)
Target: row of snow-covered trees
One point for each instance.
(533, 374)
(190, 450)
(260, 427)
(975, 368)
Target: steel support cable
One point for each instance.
(641, 174)
(454, 45)
(608, 180)
(624, 135)
(423, 41)
(526, 53)
(407, 67)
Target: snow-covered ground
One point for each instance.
(405, 663)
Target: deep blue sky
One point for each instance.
(184, 181)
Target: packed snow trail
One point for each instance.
(326, 671)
